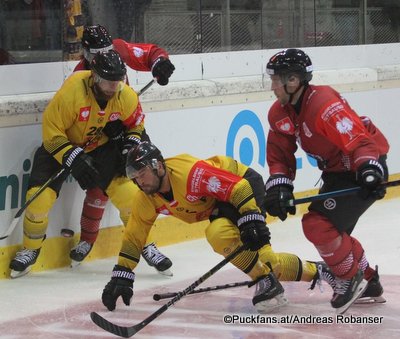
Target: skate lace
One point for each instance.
(323, 275)
(25, 256)
(152, 254)
(262, 286)
(83, 247)
(341, 286)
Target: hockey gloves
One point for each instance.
(120, 285)
(253, 230)
(114, 130)
(369, 176)
(279, 190)
(162, 69)
(82, 167)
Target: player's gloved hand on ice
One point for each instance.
(253, 230)
(120, 285)
(82, 167)
(162, 69)
(115, 130)
(279, 190)
(370, 176)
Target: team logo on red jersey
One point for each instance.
(138, 52)
(345, 126)
(214, 185)
(84, 113)
(114, 116)
(285, 125)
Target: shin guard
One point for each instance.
(92, 212)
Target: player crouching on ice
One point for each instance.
(222, 190)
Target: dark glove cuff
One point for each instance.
(250, 217)
(278, 181)
(71, 155)
(122, 272)
(372, 164)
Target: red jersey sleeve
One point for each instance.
(139, 56)
(207, 180)
(281, 143)
(344, 128)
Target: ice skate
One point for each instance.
(23, 261)
(373, 292)
(80, 252)
(269, 294)
(347, 291)
(157, 260)
(323, 274)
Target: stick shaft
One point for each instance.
(17, 216)
(333, 194)
(127, 332)
(202, 290)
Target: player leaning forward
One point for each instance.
(350, 151)
(220, 189)
(73, 123)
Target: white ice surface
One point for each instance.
(378, 231)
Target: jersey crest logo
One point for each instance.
(84, 113)
(285, 125)
(214, 185)
(114, 116)
(101, 113)
(138, 52)
(345, 126)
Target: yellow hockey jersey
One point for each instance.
(73, 117)
(196, 186)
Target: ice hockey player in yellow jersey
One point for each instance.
(222, 190)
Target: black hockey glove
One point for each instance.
(126, 145)
(82, 167)
(162, 69)
(279, 190)
(120, 285)
(370, 176)
(253, 230)
(115, 130)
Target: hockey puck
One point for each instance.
(67, 233)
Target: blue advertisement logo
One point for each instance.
(246, 145)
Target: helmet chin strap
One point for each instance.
(291, 95)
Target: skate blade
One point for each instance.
(370, 300)
(166, 273)
(360, 290)
(75, 263)
(267, 306)
(17, 274)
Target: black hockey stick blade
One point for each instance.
(129, 331)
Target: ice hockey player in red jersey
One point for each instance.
(350, 151)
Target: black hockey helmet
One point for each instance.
(142, 155)
(96, 38)
(108, 65)
(291, 61)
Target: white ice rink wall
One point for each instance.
(215, 104)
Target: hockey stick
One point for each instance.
(157, 297)
(127, 332)
(39, 191)
(17, 216)
(333, 194)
